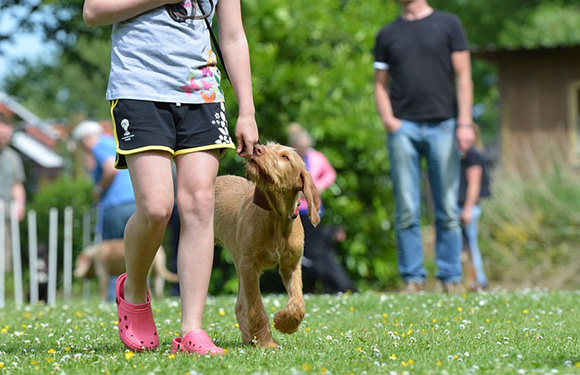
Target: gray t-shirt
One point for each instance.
(11, 172)
(157, 59)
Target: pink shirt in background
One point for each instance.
(323, 175)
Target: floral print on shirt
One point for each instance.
(206, 81)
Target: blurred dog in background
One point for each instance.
(107, 259)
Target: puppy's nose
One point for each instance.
(259, 150)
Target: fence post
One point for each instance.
(68, 233)
(2, 253)
(16, 257)
(52, 255)
(33, 256)
(86, 242)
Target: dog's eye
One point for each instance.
(285, 157)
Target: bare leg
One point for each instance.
(153, 186)
(196, 174)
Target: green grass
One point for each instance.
(505, 333)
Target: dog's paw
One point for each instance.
(264, 342)
(288, 322)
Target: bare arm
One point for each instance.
(463, 85)
(383, 102)
(474, 175)
(106, 12)
(236, 53)
(18, 194)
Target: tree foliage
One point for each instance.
(312, 63)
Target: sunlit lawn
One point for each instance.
(507, 333)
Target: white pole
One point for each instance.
(68, 234)
(33, 256)
(52, 255)
(16, 258)
(2, 253)
(86, 242)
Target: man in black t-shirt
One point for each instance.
(423, 89)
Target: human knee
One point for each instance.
(448, 219)
(407, 218)
(199, 201)
(157, 211)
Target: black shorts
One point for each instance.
(176, 128)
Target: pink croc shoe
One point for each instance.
(196, 341)
(136, 326)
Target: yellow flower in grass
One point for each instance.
(351, 308)
(459, 309)
(51, 351)
(171, 356)
(1, 365)
(411, 362)
(35, 362)
(393, 357)
(526, 312)
(307, 329)
(129, 355)
(50, 360)
(222, 312)
(306, 366)
(439, 363)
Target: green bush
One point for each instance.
(529, 230)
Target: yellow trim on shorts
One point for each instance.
(113, 105)
(135, 150)
(205, 148)
(146, 148)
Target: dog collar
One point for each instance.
(296, 212)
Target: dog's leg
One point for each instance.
(252, 316)
(241, 315)
(288, 320)
(103, 277)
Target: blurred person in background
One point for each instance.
(11, 184)
(423, 89)
(319, 261)
(112, 189)
(474, 185)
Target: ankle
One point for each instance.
(134, 294)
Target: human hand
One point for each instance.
(466, 216)
(393, 124)
(246, 135)
(340, 235)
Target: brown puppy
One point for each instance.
(107, 259)
(258, 223)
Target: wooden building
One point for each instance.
(539, 105)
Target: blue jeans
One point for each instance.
(435, 141)
(471, 232)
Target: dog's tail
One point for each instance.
(160, 267)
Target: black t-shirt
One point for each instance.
(417, 55)
(473, 158)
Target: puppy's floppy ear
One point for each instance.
(312, 197)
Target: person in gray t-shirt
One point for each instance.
(166, 102)
(11, 184)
